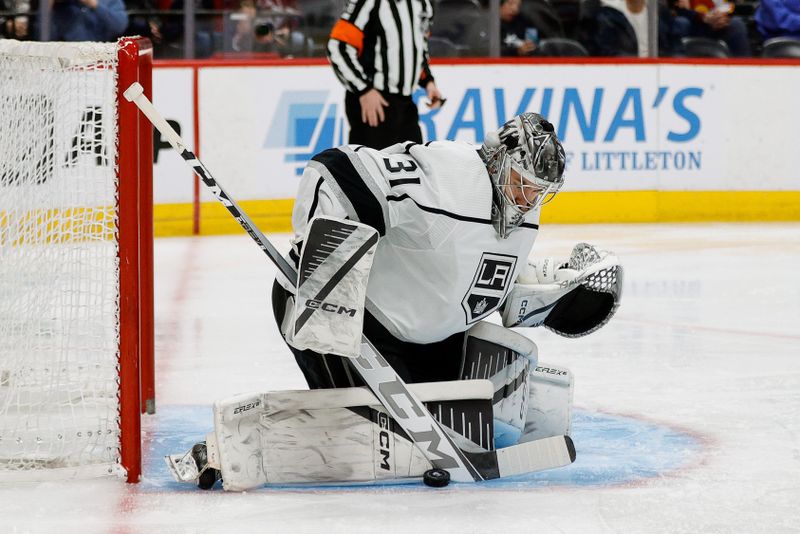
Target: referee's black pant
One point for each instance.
(413, 362)
(401, 123)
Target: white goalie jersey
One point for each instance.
(440, 265)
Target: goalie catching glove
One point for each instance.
(571, 298)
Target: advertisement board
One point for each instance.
(640, 129)
(173, 181)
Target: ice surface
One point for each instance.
(687, 404)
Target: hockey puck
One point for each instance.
(436, 478)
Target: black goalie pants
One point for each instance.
(413, 362)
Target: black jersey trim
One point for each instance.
(399, 198)
(294, 256)
(316, 199)
(409, 145)
(366, 206)
(402, 181)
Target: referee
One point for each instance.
(379, 51)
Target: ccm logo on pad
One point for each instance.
(329, 307)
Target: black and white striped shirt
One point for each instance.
(382, 44)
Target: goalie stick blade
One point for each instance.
(533, 456)
(524, 458)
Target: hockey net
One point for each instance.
(75, 260)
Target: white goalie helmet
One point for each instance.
(527, 145)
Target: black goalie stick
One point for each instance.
(401, 404)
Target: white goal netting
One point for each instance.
(59, 275)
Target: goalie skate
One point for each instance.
(193, 467)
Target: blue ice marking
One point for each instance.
(610, 449)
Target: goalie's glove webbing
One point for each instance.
(572, 300)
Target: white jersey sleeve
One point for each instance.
(315, 197)
(336, 184)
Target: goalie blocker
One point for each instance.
(326, 314)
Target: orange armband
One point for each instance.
(347, 32)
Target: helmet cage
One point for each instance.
(540, 177)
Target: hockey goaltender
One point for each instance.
(400, 255)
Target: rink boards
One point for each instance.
(645, 141)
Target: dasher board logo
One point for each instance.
(305, 123)
(489, 285)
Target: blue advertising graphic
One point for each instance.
(632, 129)
(578, 120)
(306, 122)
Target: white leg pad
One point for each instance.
(328, 435)
(550, 404)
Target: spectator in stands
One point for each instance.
(88, 20)
(778, 18)
(672, 28)
(271, 40)
(518, 35)
(260, 36)
(713, 19)
(546, 19)
(631, 39)
(244, 34)
(141, 20)
(268, 28)
(380, 68)
(522, 26)
(283, 14)
(620, 28)
(15, 26)
(171, 30)
(614, 28)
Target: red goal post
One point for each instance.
(76, 260)
(135, 164)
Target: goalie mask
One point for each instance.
(526, 162)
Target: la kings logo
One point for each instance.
(489, 285)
